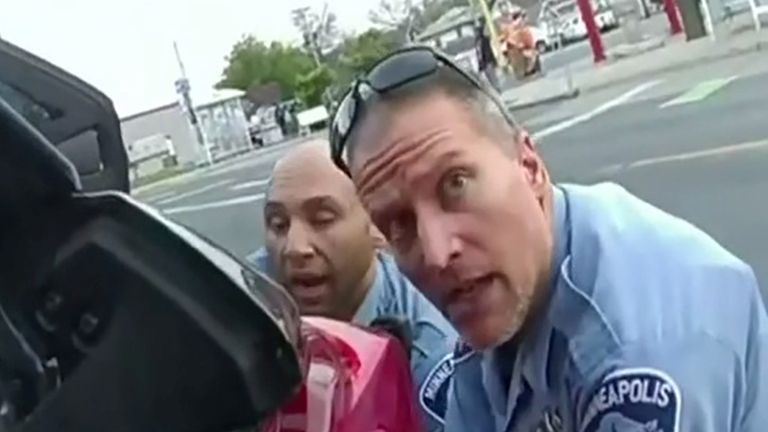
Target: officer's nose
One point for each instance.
(298, 243)
(439, 244)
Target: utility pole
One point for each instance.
(184, 90)
(595, 41)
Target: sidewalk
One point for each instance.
(628, 62)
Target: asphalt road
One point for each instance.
(694, 143)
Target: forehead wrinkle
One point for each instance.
(387, 163)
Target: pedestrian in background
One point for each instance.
(321, 245)
(486, 60)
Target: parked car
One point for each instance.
(605, 19)
(545, 39)
(567, 18)
(573, 28)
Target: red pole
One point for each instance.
(593, 32)
(670, 7)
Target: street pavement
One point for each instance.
(693, 142)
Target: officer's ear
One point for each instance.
(535, 170)
(379, 241)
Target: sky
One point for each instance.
(125, 47)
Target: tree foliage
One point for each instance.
(312, 86)
(252, 62)
(319, 31)
(360, 52)
(392, 14)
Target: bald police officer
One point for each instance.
(321, 245)
(582, 308)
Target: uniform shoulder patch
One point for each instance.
(639, 399)
(433, 393)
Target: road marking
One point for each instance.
(246, 199)
(250, 184)
(573, 121)
(681, 157)
(194, 192)
(699, 92)
(159, 196)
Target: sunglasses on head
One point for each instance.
(395, 70)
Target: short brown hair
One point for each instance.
(483, 104)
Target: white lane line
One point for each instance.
(194, 192)
(613, 103)
(700, 91)
(681, 157)
(159, 196)
(246, 199)
(250, 184)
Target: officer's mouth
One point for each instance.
(464, 302)
(309, 289)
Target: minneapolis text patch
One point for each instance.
(433, 394)
(643, 400)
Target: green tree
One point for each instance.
(360, 52)
(312, 85)
(252, 62)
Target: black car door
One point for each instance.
(73, 115)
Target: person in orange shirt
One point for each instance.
(518, 45)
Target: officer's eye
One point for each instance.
(323, 217)
(454, 185)
(278, 224)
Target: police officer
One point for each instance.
(321, 245)
(582, 308)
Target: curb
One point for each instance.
(710, 58)
(570, 94)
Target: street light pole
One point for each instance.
(595, 41)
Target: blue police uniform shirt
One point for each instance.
(393, 295)
(649, 325)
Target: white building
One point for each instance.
(164, 135)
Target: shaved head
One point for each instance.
(318, 236)
(309, 161)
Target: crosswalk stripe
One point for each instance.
(699, 92)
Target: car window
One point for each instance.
(34, 112)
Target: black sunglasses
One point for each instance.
(391, 72)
